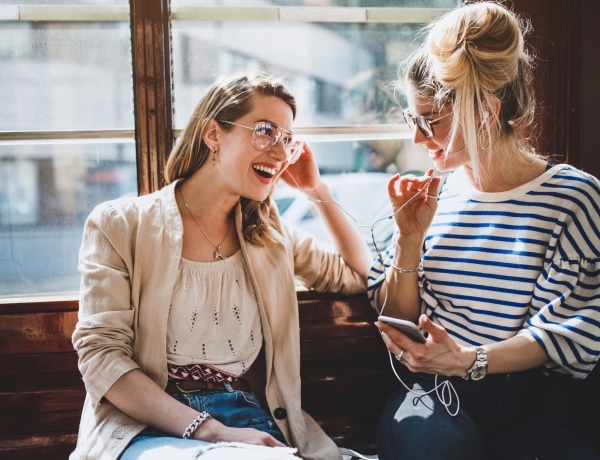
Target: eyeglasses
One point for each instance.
(266, 135)
(425, 124)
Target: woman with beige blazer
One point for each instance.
(188, 332)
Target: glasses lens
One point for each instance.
(294, 151)
(425, 127)
(408, 119)
(266, 135)
(289, 144)
(422, 122)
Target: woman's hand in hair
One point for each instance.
(304, 174)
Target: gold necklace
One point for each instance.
(217, 254)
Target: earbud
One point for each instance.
(484, 117)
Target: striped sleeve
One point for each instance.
(565, 306)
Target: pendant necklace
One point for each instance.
(217, 254)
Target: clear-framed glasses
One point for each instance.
(425, 124)
(266, 135)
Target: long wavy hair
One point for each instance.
(229, 98)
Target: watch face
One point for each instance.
(478, 374)
(479, 369)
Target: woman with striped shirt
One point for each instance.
(501, 270)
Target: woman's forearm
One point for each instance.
(519, 353)
(141, 398)
(399, 295)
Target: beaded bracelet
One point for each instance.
(402, 270)
(197, 423)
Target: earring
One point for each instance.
(488, 141)
(214, 156)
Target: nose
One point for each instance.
(278, 152)
(418, 136)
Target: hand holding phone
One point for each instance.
(406, 327)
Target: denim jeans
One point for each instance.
(235, 409)
(418, 427)
(516, 417)
(532, 419)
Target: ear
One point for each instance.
(211, 133)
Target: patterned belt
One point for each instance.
(191, 386)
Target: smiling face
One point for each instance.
(445, 157)
(246, 171)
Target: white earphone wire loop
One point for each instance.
(445, 391)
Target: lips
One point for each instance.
(435, 153)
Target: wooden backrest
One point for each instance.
(344, 367)
(344, 374)
(41, 391)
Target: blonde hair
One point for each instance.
(229, 98)
(471, 55)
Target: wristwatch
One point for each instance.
(479, 368)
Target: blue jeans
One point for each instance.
(235, 409)
(534, 419)
(516, 417)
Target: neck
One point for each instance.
(501, 178)
(203, 201)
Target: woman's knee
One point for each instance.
(421, 428)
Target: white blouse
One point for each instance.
(213, 317)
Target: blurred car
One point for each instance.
(362, 196)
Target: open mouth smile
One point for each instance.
(264, 171)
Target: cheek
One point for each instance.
(442, 136)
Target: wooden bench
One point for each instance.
(345, 374)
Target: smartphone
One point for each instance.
(406, 327)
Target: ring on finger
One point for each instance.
(399, 355)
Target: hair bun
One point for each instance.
(480, 44)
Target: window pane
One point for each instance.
(343, 83)
(47, 192)
(65, 76)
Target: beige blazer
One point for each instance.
(129, 261)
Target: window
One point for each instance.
(68, 107)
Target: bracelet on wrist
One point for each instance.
(197, 423)
(402, 270)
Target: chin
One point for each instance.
(442, 166)
(259, 196)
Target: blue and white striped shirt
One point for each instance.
(525, 261)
